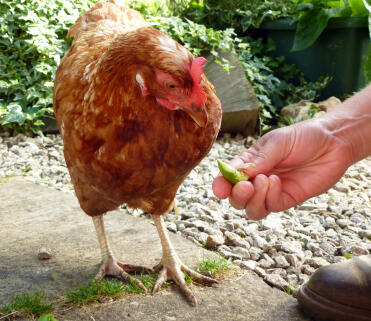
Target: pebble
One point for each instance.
(276, 280)
(44, 254)
(281, 261)
(213, 241)
(249, 264)
(284, 248)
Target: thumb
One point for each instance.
(266, 153)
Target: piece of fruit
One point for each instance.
(231, 174)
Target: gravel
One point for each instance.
(284, 249)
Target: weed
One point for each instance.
(94, 291)
(28, 304)
(214, 265)
(287, 289)
(47, 317)
(132, 287)
(188, 278)
(348, 256)
(148, 280)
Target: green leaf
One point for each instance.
(358, 8)
(15, 115)
(47, 317)
(310, 26)
(367, 67)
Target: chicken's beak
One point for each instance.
(197, 113)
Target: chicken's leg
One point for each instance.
(172, 267)
(110, 265)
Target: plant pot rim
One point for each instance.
(333, 23)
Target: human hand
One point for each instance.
(293, 164)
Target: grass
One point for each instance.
(287, 289)
(95, 291)
(29, 304)
(214, 265)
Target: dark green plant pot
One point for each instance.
(339, 52)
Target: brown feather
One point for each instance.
(121, 147)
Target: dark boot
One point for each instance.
(340, 291)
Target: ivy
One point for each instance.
(32, 41)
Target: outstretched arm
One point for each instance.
(300, 161)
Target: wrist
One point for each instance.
(350, 124)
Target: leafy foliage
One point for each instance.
(313, 17)
(32, 40)
(245, 14)
(275, 82)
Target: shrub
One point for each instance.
(32, 40)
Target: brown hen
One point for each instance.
(136, 115)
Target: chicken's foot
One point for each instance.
(110, 265)
(172, 268)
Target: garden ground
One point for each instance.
(34, 216)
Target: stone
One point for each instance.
(227, 253)
(250, 229)
(15, 150)
(327, 247)
(214, 241)
(249, 264)
(266, 262)
(171, 227)
(235, 240)
(354, 249)
(255, 253)
(331, 233)
(307, 269)
(365, 233)
(240, 251)
(54, 154)
(259, 242)
(292, 280)
(239, 102)
(44, 253)
(356, 218)
(303, 278)
(316, 262)
(276, 280)
(293, 260)
(343, 222)
(279, 271)
(293, 247)
(281, 261)
(315, 249)
(33, 149)
(260, 271)
(329, 222)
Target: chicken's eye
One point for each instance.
(171, 85)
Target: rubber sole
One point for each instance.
(323, 309)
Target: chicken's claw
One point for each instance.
(175, 271)
(121, 271)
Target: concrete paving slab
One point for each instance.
(32, 216)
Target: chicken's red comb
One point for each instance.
(197, 69)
